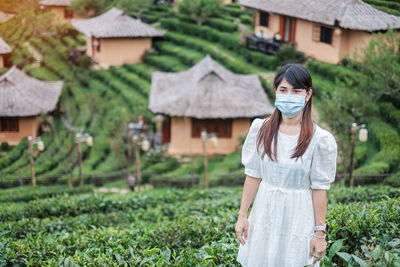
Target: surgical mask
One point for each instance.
(289, 104)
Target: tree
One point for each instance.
(380, 62)
(199, 10)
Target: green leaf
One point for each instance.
(376, 254)
(337, 246)
(360, 261)
(344, 255)
(394, 243)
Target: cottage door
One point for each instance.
(287, 29)
(166, 130)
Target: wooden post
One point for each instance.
(353, 144)
(69, 159)
(31, 162)
(205, 163)
(137, 160)
(80, 163)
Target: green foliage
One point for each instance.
(364, 91)
(393, 180)
(135, 7)
(246, 19)
(83, 7)
(192, 227)
(28, 193)
(388, 6)
(288, 53)
(174, 181)
(199, 10)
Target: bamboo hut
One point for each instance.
(24, 99)
(206, 96)
(114, 38)
(326, 30)
(5, 51)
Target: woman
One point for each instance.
(286, 225)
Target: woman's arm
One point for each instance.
(318, 245)
(250, 188)
(319, 203)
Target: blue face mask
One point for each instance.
(289, 104)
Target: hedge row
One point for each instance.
(150, 227)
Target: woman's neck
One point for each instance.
(294, 122)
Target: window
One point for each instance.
(326, 35)
(222, 127)
(96, 44)
(68, 14)
(9, 124)
(264, 16)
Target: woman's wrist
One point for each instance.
(242, 214)
(319, 233)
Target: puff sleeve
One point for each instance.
(323, 166)
(251, 160)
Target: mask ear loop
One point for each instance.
(307, 92)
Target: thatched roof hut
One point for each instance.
(4, 17)
(208, 90)
(115, 24)
(4, 47)
(206, 97)
(348, 14)
(22, 95)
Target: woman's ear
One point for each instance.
(309, 94)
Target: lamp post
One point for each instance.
(363, 135)
(204, 138)
(128, 133)
(145, 145)
(79, 138)
(40, 145)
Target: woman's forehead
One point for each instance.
(285, 83)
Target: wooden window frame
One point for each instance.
(326, 30)
(68, 14)
(264, 19)
(223, 127)
(9, 124)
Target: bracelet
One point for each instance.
(320, 227)
(321, 237)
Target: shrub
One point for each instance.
(174, 181)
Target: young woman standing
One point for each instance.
(290, 162)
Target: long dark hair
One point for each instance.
(299, 77)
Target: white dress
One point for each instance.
(281, 219)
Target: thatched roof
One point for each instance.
(22, 95)
(4, 47)
(208, 90)
(349, 14)
(113, 24)
(5, 16)
(55, 2)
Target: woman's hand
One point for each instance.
(242, 224)
(318, 247)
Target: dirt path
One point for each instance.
(38, 57)
(121, 190)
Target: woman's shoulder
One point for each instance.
(257, 122)
(324, 136)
